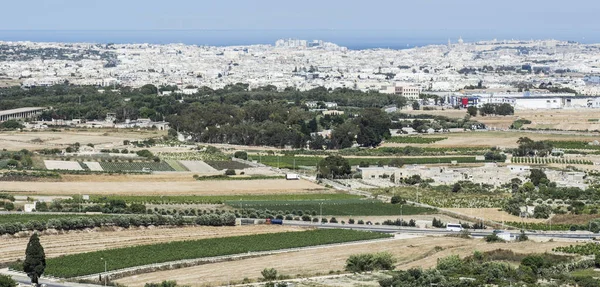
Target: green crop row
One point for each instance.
(574, 145)
(26, 217)
(89, 263)
(415, 140)
(195, 199)
(136, 166)
(335, 207)
(586, 249)
(550, 160)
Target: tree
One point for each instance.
(374, 126)
(472, 111)
(416, 106)
(456, 187)
(11, 125)
(149, 89)
(505, 109)
(487, 109)
(269, 274)
(333, 166)
(241, 155)
(537, 176)
(7, 281)
(35, 259)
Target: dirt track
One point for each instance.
(72, 242)
(222, 187)
(414, 252)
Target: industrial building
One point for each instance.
(20, 114)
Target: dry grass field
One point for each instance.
(142, 187)
(495, 138)
(105, 138)
(542, 119)
(413, 252)
(13, 248)
(494, 214)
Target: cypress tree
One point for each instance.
(35, 259)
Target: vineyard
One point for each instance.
(574, 145)
(136, 166)
(449, 199)
(352, 207)
(549, 160)
(24, 218)
(201, 156)
(414, 140)
(87, 263)
(193, 199)
(586, 249)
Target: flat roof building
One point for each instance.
(21, 113)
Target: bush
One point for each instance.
(370, 262)
(7, 281)
(493, 238)
(397, 199)
(241, 155)
(230, 172)
(269, 274)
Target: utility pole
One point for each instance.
(321, 213)
(105, 271)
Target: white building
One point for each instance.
(407, 91)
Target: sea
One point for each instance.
(353, 39)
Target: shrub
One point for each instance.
(230, 172)
(397, 199)
(241, 155)
(269, 274)
(493, 238)
(370, 262)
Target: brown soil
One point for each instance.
(222, 187)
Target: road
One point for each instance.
(22, 278)
(413, 230)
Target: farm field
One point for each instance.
(105, 137)
(411, 252)
(234, 199)
(503, 139)
(197, 166)
(337, 207)
(554, 119)
(83, 263)
(494, 214)
(154, 177)
(235, 187)
(73, 242)
(136, 166)
(62, 165)
(547, 160)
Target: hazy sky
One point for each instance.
(499, 16)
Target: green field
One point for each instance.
(414, 140)
(354, 207)
(136, 166)
(89, 263)
(311, 161)
(574, 145)
(191, 199)
(176, 165)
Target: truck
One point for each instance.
(276, 221)
(292, 176)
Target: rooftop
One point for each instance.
(21, 110)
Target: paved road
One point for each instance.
(23, 279)
(412, 230)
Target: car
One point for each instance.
(497, 231)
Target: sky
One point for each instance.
(508, 15)
(503, 19)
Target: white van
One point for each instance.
(454, 227)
